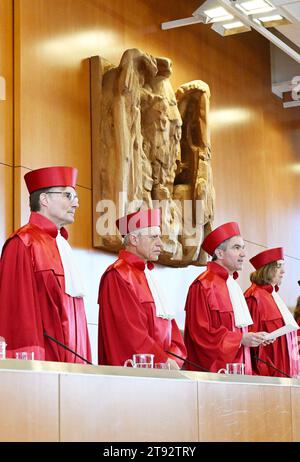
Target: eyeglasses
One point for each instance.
(71, 196)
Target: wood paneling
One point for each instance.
(6, 202)
(6, 71)
(29, 407)
(21, 198)
(295, 400)
(242, 412)
(80, 233)
(251, 132)
(6, 120)
(56, 39)
(283, 184)
(127, 409)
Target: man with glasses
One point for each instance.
(41, 291)
(134, 317)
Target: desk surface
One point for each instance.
(69, 368)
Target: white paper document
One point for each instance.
(282, 331)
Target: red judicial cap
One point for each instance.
(219, 235)
(50, 176)
(138, 220)
(267, 256)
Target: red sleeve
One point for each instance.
(276, 354)
(20, 321)
(259, 368)
(255, 315)
(177, 344)
(207, 345)
(123, 324)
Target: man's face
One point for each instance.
(148, 247)
(233, 257)
(278, 273)
(61, 204)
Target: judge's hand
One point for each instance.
(173, 364)
(253, 339)
(267, 342)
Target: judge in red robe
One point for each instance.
(39, 288)
(133, 317)
(269, 313)
(217, 316)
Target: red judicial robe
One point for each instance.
(33, 298)
(127, 318)
(267, 317)
(210, 335)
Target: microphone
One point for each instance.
(188, 362)
(271, 365)
(66, 348)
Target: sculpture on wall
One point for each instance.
(151, 148)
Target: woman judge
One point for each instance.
(269, 313)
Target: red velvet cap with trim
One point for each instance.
(267, 256)
(138, 220)
(219, 235)
(49, 177)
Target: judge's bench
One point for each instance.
(47, 401)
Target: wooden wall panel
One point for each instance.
(283, 185)
(80, 232)
(21, 198)
(28, 404)
(6, 71)
(6, 202)
(248, 124)
(6, 120)
(127, 409)
(295, 401)
(240, 412)
(56, 38)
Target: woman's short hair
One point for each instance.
(264, 275)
